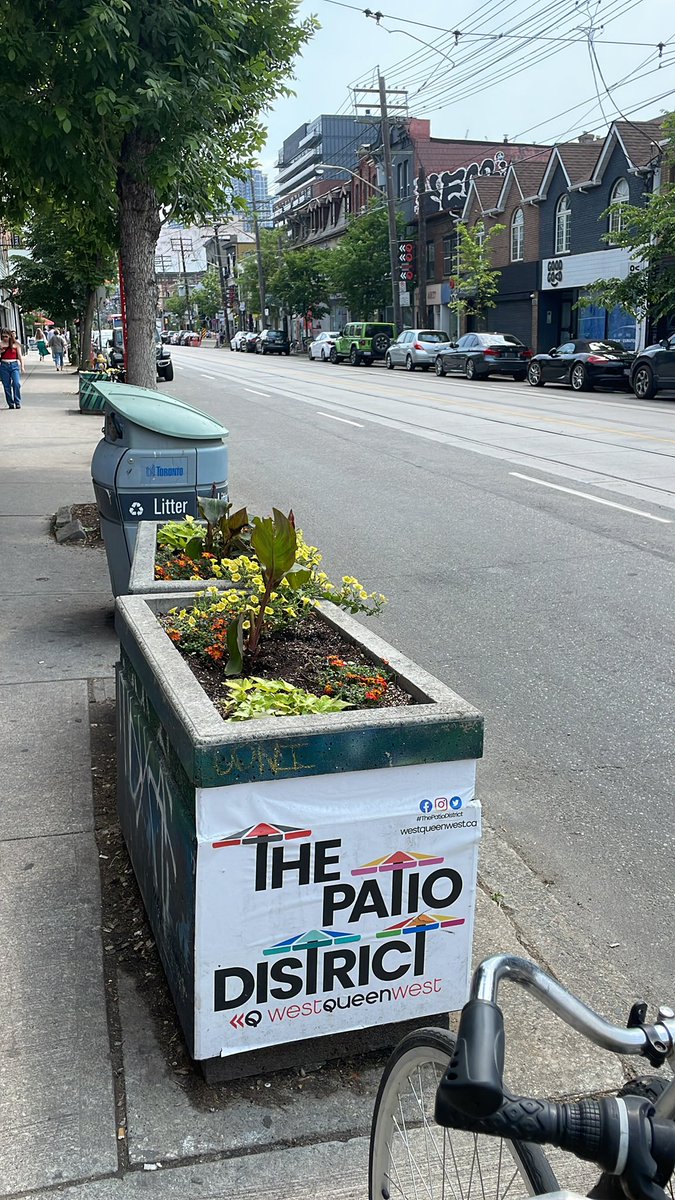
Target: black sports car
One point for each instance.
(654, 369)
(583, 364)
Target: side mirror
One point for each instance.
(454, 345)
(665, 343)
(553, 351)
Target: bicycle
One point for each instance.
(445, 1127)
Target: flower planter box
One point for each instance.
(310, 881)
(91, 400)
(142, 580)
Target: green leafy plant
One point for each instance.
(254, 698)
(181, 535)
(353, 682)
(226, 535)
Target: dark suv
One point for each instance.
(273, 341)
(164, 363)
(654, 369)
(363, 342)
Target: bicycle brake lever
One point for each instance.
(651, 1152)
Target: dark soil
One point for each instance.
(298, 658)
(128, 946)
(88, 515)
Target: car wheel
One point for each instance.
(381, 344)
(534, 375)
(579, 381)
(520, 376)
(643, 383)
(310, 356)
(388, 363)
(409, 364)
(439, 368)
(286, 352)
(470, 369)
(333, 356)
(323, 355)
(167, 374)
(354, 357)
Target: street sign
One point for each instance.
(406, 261)
(404, 299)
(242, 306)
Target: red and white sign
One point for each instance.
(333, 902)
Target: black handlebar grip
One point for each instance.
(473, 1081)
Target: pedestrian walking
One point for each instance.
(57, 346)
(41, 342)
(11, 367)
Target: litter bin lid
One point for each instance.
(161, 413)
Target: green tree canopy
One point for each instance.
(359, 265)
(476, 281)
(142, 107)
(248, 272)
(300, 282)
(207, 296)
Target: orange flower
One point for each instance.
(214, 652)
(174, 634)
(328, 691)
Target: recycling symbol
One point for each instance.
(135, 509)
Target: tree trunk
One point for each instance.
(87, 322)
(139, 232)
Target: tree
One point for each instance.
(69, 261)
(648, 232)
(248, 272)
(176, 305)
(208, 296)
(300, 282)
(359, 265)
(476, 282)
(146, 108)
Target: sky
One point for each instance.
(479, 86)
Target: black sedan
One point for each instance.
(654, 369)
(583, 364)
(479, 355)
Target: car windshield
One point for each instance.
(371, 330)
(498, 339)
(607, 347)
(432, 335)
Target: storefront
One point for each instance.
(564, 281)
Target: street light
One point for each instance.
(223, 285)
(334, 167)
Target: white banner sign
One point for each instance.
(578, 270)
(333, 902)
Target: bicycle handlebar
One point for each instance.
(622, 1135)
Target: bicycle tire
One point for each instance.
(411, 1156)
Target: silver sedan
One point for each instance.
(416, 348)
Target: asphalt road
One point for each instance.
(525, 541)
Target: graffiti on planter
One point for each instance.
(448, 189)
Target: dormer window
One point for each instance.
(618, 198)
(518, 236)
(563, 225)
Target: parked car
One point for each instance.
(479, 355)
(165, 335)
(363, 342)
(583, 364)
(321, 346)
(239, 340)
(273, 341)
(251, 343)
(654, 369)
(163, 354)
(415, 348)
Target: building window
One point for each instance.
(563, 225)
(480, 235)
(619, 197)
(518, 236)
(402, 179)
(448, 255)
(431, 260)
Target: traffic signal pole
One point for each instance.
(391, 207)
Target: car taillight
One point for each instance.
(418, 346)
(362, 342)
(526, 354)
(491, 352)
(597, 358)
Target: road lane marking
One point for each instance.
(344, 420)
(254, 393)
(637, 512)
(208, 376)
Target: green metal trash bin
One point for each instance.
(156, 457)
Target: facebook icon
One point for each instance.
(426, 806)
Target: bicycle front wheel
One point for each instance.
(413, 1158)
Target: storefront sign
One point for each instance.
(433, 293)
(333, 902)
(578, 270)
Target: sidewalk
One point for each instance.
(91, 1095)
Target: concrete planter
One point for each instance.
(142, 580)
(90, 398)
(283, 859)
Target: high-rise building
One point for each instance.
(328, 139)
(263, 203)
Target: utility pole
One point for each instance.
(178, 244)
(391, 206)
(223, 286)
(421, 250)
(256, 230)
